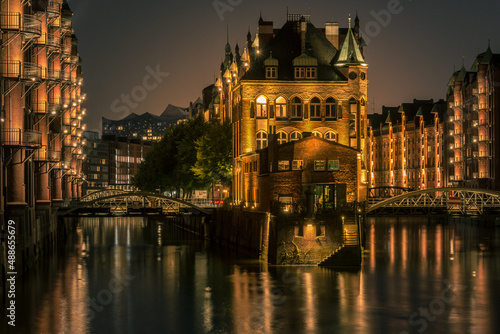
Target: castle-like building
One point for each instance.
(473, 124)
(297, 98)
(41, 119)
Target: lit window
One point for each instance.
(333, 165)
(282, 137)
(295, 136)
(319, 164)
(297, 164)
(261, 107)
(261, 140)
(296, 108)
(280, 107)
(314, 108)
(331, 110)
(330, 135)
(283, 165)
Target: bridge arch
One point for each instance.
(450, 200)
(125, 199)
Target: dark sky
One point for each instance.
(411, 54)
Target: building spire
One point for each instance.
(350, 53)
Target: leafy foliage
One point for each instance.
(190, 156)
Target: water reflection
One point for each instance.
(138, 275)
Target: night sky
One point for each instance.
(411, 56)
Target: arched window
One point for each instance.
(261, 140)
(280, 107)
(296, 108)
(282, 137)
(331, 108)
(296, 135)
(317, 134)
(261, 107)
(332, 136)
(315, 108)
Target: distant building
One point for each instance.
(406, 146)
(147, 126)
(96, 163)
(289, 82)
(473, 155)
(112, 162)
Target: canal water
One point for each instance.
(138, 275)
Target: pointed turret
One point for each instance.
(350, 54)
(356, 23)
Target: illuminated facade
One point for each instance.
(41, 113)
(287, 82)
(474, 124)
(406, 146)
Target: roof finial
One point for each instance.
(349, 20)
(227, 28)
(463, 61)
(489, 46)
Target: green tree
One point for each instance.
(214, 161)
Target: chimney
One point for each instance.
(303, 30)
(332, 33)
(266, 32)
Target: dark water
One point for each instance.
(131, 275)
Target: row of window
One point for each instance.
(283, 137)
(300, 72)
(296, 108)
(319, 165)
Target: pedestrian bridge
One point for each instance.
(461, 201)
(119, 202)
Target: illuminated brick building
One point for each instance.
(41, 113)
(406, 146)
(474, 124)
(288, 82)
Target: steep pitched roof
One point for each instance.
(350, 54)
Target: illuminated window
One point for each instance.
(332, 136)
(296, 135)
(282, 137)
(283, 165)
(280, 107)
(319, 164)
(317, 134)
(296, 108)
(297, 164)
(261, 107)
(314, 108)
(261, 140)
(331, 110)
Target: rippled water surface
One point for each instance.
(134, 275)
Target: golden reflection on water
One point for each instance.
(406, 268)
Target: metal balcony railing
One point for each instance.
(31, 72)
(65, 25)
(10, 69)
(53, 75)
(71, 60)
(53, 8)
(31, 25)
(54, 155)
(21, 138)
(65, 76)
(65, 49)
(41, 154)
(53, 41)
(39, 108)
